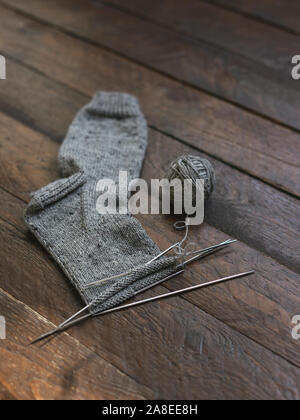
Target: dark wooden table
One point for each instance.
(213, 78)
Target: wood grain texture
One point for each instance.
(54, 372)
(259, 317)
(261, 43)
(261, 148)
(195, 59)
(221, 62)
(277, 12)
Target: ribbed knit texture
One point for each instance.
(107, 136)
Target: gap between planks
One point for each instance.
(230, 164)
(277, 185)
(37, 316)
(152, 126)
(253, 17)
(84, 95)
(141, 63)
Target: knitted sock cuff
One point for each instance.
(114, 104)
(54, 192)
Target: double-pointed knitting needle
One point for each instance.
(151, 299)
(200, 253)
(207, 251)
(96, 283)
(69, 320)
(203, 253)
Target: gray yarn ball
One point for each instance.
(193, 167)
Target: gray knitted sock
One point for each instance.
(108, 135)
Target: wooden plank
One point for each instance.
(67, 370)
(172, 347)
(41, 114)
(277, 12)
(261, 43)
(23, 157)
(240, 204)
(225, 131)
(248, 81)
(5, 395)
(265, 305)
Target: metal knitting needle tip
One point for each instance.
(43, 336)
(66, 323)
(207, 251)
(60, 326)
(213, 247)
(201, 252)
